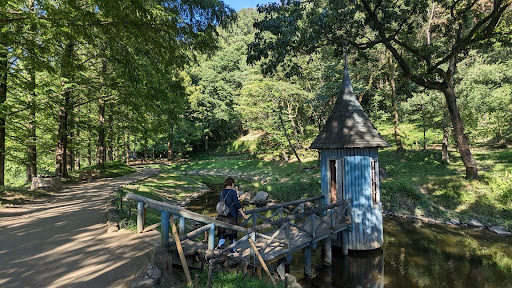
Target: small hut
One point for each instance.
(348, 145)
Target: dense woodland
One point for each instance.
(85, 82)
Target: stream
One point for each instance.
(413, 255)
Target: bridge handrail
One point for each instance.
(277, 206)
(300, 216)
(181, 212)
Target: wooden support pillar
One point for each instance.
(281, 268)
(140, 217)
(253, 252)
(328, 251)
(211, 238)
(345, 242)
(164, 232)
(307, 262)
(182, 226)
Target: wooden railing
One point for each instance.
(269, 228)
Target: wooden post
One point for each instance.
(345, 242)
(253, 252)
(210, 275)
(164, 233)
(182, 226)
(253, 245)
(211, 238)
(328, 251)
(307, 262)
(281, 268)
(180, 251)
(140, 217)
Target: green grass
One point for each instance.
(223, 279)
(419, 184)
(111, 169)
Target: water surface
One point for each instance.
(412, 256)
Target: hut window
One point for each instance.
(373, 173)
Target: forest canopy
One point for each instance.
(83, 83)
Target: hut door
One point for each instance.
(335, 180)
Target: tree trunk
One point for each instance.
(127, 147)
(31, 127)
(394, 105)
(101, 156)
(89, 150)
(145, 149)
(290, 142)
(62, 141)
(445, 158)
(169, 144)
(458, 130)
(111, 132)
(3, 96)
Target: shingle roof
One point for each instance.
(348, 126)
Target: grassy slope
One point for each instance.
(417, 182)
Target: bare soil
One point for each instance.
(61, 240)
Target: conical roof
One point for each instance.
(348, 126)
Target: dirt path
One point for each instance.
(65, 244)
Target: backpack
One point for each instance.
(222, 208)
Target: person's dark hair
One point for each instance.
(228, 182)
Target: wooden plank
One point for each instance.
(152, 227)
(193, 234)
(182, 212)
(180, 251)
(262, 262)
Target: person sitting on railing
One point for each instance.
(230, 197)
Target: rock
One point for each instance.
(499, 230)
(245, 197)
(475, 223)
(147, 276)
(161, 258)
(50, 183)
(261, 197)
(417, 222)
(292, 281)
(382, 173)
(112, 228)
(455, 221)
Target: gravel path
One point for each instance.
(65, 244)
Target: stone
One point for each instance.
(382, 173)
(50, 183)
(499, 230)
(147, 276)
(245, 197)
(112, 228)
(455, 221)
(161, 258)
(261, 197)
(292, 281)
(475, 223)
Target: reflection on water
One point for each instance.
(412, 256)
(425, 256)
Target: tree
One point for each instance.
(431, 62)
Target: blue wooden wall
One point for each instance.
(366, 232)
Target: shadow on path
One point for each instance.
(65, 244)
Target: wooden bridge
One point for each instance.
(271, 234)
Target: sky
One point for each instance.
(240, 4)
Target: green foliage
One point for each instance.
(224, 279)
